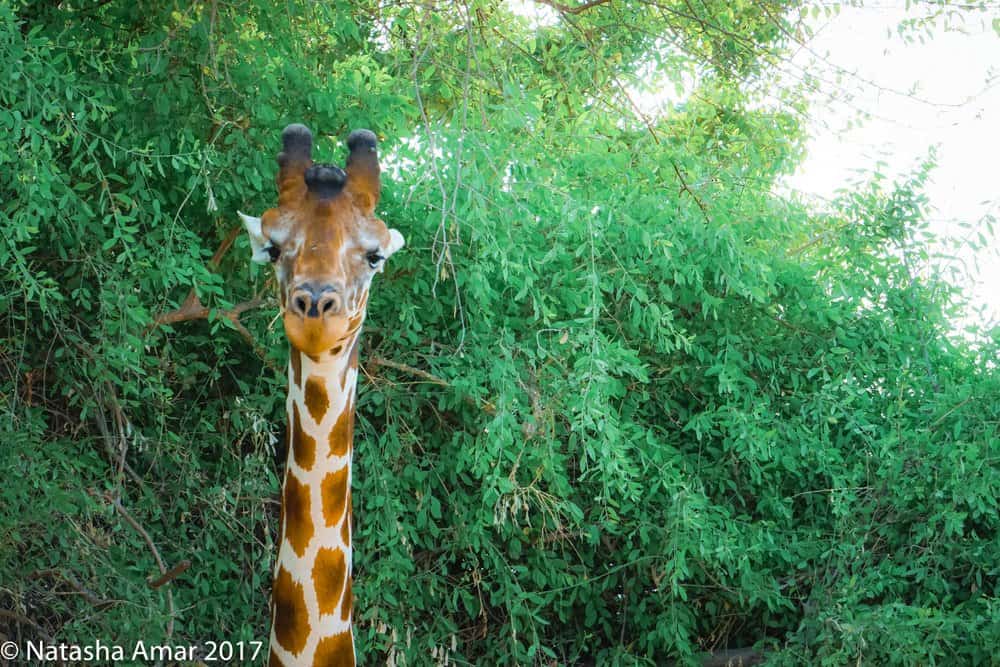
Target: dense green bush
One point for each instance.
(621, 403)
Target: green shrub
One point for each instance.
(667, 411)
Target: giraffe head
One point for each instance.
(323, 239)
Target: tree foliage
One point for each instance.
(623, 404)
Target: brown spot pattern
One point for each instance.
(303, 444)
(352, 362)
(274, 660)
(354, 351)
(345, 528)
(335, 651)
(328, 573)
(298, 524)
(334, 490)
(343, 431)
(291, 619)
(295, 357)
(345, 607)
(316, 398)
(281, 522)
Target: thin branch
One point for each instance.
(937, 422)
(152, 548)
(483, 405)
(97, 602)
(433, 379)
(441, 247)
(825, 234)
(138, 528)
(224, 247)
(107, 439)
(193, 309)
(687, 189)
(121, 423)
(611, 72)
(795, 328)
(572, 9)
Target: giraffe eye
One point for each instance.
(374, 258)
(273, 252)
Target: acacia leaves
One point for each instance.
(623, 404)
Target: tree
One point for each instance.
(623, 403)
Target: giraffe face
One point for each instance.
(324, 240)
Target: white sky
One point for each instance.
(956, 77)
(943, 92)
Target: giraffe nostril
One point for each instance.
(309, 301)
(301, 305)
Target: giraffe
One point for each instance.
(326, 245)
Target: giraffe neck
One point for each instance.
(311, 597)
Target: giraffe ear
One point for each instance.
(257, 241)
(396, 241)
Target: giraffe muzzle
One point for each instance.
(310, 301)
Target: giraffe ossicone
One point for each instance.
(326, 245)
